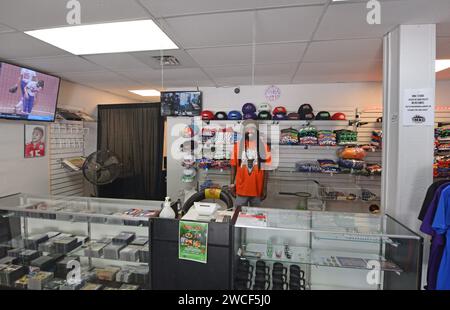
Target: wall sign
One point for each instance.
(273, 93)
(193, 241)
(418, 107)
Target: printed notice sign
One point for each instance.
(418, 107)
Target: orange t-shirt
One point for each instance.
(249, 182)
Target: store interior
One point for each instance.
(326, 220)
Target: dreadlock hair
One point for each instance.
(260, 147)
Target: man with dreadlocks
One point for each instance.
(249, 159)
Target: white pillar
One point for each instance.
(409, 64)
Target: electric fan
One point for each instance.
(102, 167)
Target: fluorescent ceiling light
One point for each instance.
(120, 37)
(442, 64)
(146, 92)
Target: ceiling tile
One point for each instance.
(4, 29)
(118, 62)
(154, 76)
(144, 76)
(348, 20)
(18, 45)
(28, 15)
(58, 64)
(279, 53)
(161, 8)
(287, 69)
(185, 60)
(339, 72)
(288, 24)
(98, 78)
(275, 73)
(345, 50)
(212, 29)
(185, 74)
(234, 81)
(233, 55)
(229, 71)
(443, 48)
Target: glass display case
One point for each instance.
(70, 243)
(302, 250)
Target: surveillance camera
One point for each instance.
(237, 90)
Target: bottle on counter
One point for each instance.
(167, 211)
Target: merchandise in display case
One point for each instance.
(71, 243)
(296, 250)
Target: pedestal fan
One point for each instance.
(101, 168)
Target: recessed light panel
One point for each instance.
(120, 37)
(146, 92)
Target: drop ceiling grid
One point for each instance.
(199, 52)
(292, 49)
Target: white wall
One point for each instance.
(442, 93)
(320, 96)
(18, 174)
(362, 95)
(77, 96)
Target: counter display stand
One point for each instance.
(71, 243)
(169, 272)
(301, 250)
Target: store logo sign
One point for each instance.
(373, 276)
(73, 17)
(273, 93)
(374, 14)
(418, 119)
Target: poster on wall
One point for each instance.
(193, 241)
(34, 141)
(418, 107)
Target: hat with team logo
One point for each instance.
(264, 107)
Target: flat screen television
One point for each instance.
(26, 94)
(181, 103)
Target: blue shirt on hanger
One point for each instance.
(441, 224)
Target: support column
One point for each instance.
(409, 69)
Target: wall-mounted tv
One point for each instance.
(181, 103)
(26, 94)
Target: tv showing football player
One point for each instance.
(34, 141)
(26, 94)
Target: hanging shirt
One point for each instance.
(429, 197)
(437, 241)
(249, 178)
(441, 225)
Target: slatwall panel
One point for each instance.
(286, 179)
(442, 116)
(66, 140)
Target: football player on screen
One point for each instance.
(26, 76)
(31, 91)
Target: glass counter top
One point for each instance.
(332, 223)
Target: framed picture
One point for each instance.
(34, 141)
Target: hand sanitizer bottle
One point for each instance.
(167, 211)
